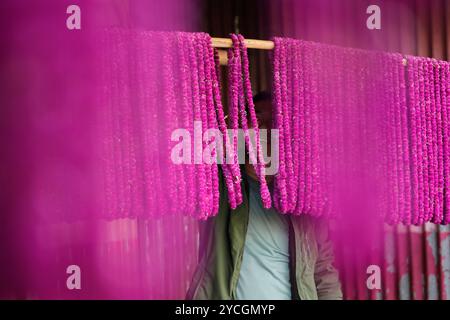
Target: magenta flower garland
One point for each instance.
(235, 90)
(230, 171)
(414, 108)
(422, 154)
(212, 122)
(445, 99)
(434, 154)
(439, 210)
(296, 104)
(260, 165)
(280, 196)
(286, 95)
(428, 166)
(187, 119)
(406, 165)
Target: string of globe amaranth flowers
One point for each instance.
(260, 164)
(231, 172)
(280, 196)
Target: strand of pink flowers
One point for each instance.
(407, 216)
(280, 197)
(212, 120)
(395, 63)
(427, 137)
(204, 119)
(308, 136)
(440, 145)
(296, 96)
(413, 110)
(238, 82)
(200, 172)
(316, 70)
(445, 96)
(187, 110)
(229, 171)
(286, 77)
(422, 142)
(176, 117)
(143, 86)
(260, 166)
(234, 77)
(299, 48)
(434, 213)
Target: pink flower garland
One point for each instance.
(426, 141)
(200, 171)
(434, 165)
(229, 170)
(234, 80)
(212, 120)
(286, 95)
(296, 104)
(280, 196)
(445, 98)
(439, 212)
(260, 165)
(413, 109)
(406, 165)
(187, 114)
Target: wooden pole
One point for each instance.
(250, 43)
(222, 43)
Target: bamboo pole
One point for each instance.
(250, 43)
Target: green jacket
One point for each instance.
(222, 243)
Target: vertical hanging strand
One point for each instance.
(445, 98)
(186, 109)
(406, 163)
(286, 96)
(260, 165)
(242, 103)
(399, 197)
(435, 129)
(280, 179)
(439, 213)
(234, 78)
(308, 135)
(421, 136)
(229, 170)
(204, 120)
(434, 166)
(179, 116)
(212, 121)
(427, 141)
(383, 102)
(296, 96)
(300, 136)
(168, 116)
(423, 140)
(315, 192)
(413, 125)
(198, 149)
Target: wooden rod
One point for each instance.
(250, 43)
